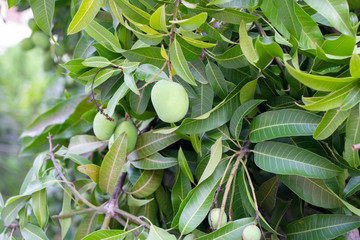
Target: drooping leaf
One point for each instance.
(97, 62)
(151, 55)
(150, 143)
(239, 114)
(180, 190)
(352, 186)
(86, 13)
(246, 45)
(84, 143)
(216, 80)
(336, 12)
(30, 231)
(330, 122)
(40, 207)
(43, 13)
(283, 158)
(87, 225)
(352, 138)
(321, 83)
(132, 12)
(266, 52)
(233, 16)
(190, 24)
(283, 123)
(232, 58)
(159, 234)
(355, 66)
(90, 170)
(215, 157)
(112, 164)
(184, 166)
(103, 36)
(179, 63)
(247, 92)
(230, 231)
(266, 195)
(106, 234)
(204, 102)
(148, 182)
(155, 161)
(58, 114)
(325, 226)
(313, 191)
(158, 19)
(66, 208)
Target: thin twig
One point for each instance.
(52, 157)
(87, 210)
(131, 217)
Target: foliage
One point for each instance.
(270, 138)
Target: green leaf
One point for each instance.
(118, 95)
(230, 231)
(330, 101)
(197, 69)
(271, 12)
(286, 12)
(180, 190)
(352, 186)
(352, 99)
(232, 58)
(84, 143)
(151, 55)
(133, 202)
(336, 12)
(150, 143)
(281, 158)
(184, 167)
(158, 19)
(130, 83)
(157, 233)
(40, 207)
(43, 12)
(66, 208)
(86, 13)
(266, 195)
(239, 114)
(58, 114)
(204, 102)
(197, 204)
(215, 157)
(233, 16)
(217, 117)
(148, 182)
(90, 170)
(103, 36)
(352, 138)
(330, 122)
(313, 191)
(216, 79)
(247, 92)
(87, 225)
(11, 209)
(320, 83)
(154, 162)
(97, 62)
(283, 123)
(198, 43)
(190, 24)
(33, 232)
(246, 45)
(328, 226)
(112, 164)
(139, 103)
(355, 66)
(179, 63)
(266, 52)
(132, 12)
(106, 234)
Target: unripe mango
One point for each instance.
(251, 232)
(26, 44)
(131, 134)
(103, 128)
(40, 40)
(170, 101)
(214, 217)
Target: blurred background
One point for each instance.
(30, 81)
